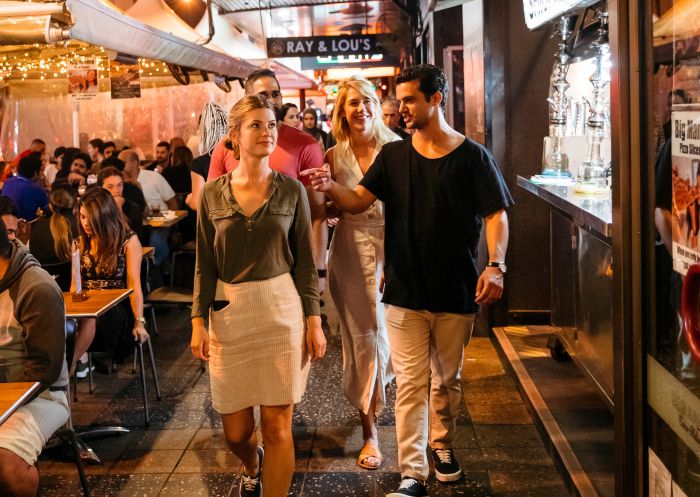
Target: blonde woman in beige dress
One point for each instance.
(254, 237)
(356, 261)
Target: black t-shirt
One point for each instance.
(179, 179)
(434, 211)
(134, 217)
(200, 165)
(134, 193)
(41, 239)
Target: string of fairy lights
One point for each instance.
(31, 64)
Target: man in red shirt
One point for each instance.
(295, 152)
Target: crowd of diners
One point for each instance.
(262, 183)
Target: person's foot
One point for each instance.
(82, 370)
(410, 487)
(446, 466)
(251, 486)
(370, 457)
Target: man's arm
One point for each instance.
(489, 288)
(172, 204)
(352, 201)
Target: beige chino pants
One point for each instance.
(426, 347)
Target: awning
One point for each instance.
(99, 23)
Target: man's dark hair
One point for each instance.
(37, 141)
(68, 156)
(432, 80)
(110, 144)
(5, 243)
(30, 165)
(163, 144)
(114, 162)
(98, 144)
(59, 151)
(256, 75)
(107, 172)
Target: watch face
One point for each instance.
(502, 267)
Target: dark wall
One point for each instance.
(447, 31)
(518, 67)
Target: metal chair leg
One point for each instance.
(153, 370)
(90, 373)
(154, 323)
(78, 461)
(133, 367)
(139, 348)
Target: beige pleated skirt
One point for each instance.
(256, 348)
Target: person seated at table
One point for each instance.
(54, 165)
(112, 180)
(110, 149)
(132, 189)
(110, 257)
(8, 213)
(162, 158)
(52, 239)
(24, 190)
(65, 164)
(32, 349)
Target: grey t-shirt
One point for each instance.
(234, 248)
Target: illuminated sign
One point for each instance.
(322, 46)
(340, 61)
(539, 12)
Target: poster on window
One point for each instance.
(82, 79)
(124, 80)
(685, 170)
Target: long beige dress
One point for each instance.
(354, 269)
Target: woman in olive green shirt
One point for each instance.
(254, 236)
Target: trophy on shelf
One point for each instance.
(556, 161)
(592, 173)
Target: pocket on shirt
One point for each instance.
(281, 210)
(215, 214)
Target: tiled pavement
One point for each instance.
(182, 453)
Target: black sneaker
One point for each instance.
(410, 487)
(446, 466)
(251, 486)
(82, 370)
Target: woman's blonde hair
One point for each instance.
(340, 126)
(238, 112)
(63, 200)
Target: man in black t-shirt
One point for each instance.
(438, 187)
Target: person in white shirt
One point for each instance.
(159, 197)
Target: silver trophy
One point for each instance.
(556, 162)
(592, 172)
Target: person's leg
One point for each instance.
(409, 336)
(276, 427)
(159, 240)
(369, 429)
(451, 333)
(17, 477)
(85, 334)
(241, 438)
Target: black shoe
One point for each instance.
(410, 487)
(251, 486)
(446, 466)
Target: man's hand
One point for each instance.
(489, 288)
(140, 333)
(320, 177)
(315, 339)
(199, 344)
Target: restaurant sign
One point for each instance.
(312, 46)
(539, 12)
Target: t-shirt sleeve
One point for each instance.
(217, 167)
(492, 191)
(374, 179)
(164, 188)
(311, 157)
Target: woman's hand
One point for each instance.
(315, 339)
(199, 344)
(139, 332)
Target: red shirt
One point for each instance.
(295, 152)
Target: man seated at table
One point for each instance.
(32, 348)
(24, 190)
(9, 216)
(162, 158)
(159, 197)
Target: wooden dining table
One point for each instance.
(97, 302)
(161, 222)
(15, 395)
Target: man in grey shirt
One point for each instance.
(32, 349)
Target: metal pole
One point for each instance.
(76, 122)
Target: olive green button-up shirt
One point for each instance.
(274, 240)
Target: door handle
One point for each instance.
(690, 310)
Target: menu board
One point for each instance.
(124, 80)
(685, 167)
(82, 79)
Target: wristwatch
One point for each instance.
(500, 265)
(141, 320)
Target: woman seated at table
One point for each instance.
(110, 257)
(112, 180)
(52, 239)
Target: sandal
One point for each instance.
(368, 452)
